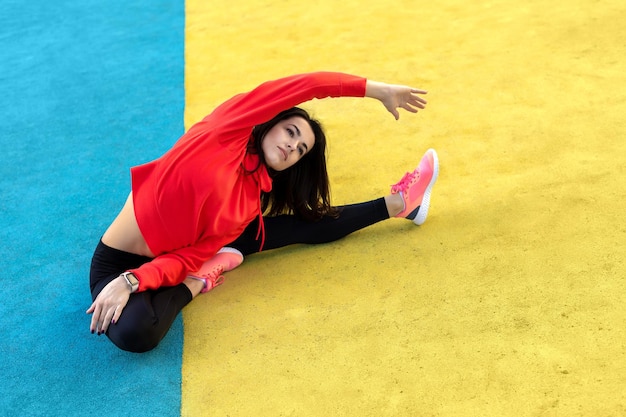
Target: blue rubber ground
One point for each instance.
(87, 89)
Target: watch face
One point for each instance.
(131, 279)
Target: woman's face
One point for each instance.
(287, 142)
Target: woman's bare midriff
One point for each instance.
(124, 233)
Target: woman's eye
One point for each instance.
(301, 151)
(290, 131)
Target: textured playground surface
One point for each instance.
(508, 301)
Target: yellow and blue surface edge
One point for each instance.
(507, 302)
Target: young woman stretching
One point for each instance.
(253, 153)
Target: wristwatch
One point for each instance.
(132, 281)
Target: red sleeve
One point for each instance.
(172, 268)
(247, 110)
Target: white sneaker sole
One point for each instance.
(423, 210)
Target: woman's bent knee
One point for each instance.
(133, 339)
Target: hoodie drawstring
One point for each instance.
(261, 229)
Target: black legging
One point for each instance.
(287, 230)
(149, 314)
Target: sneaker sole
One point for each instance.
(422, 212)
(228, 249)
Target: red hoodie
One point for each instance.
(198, 197)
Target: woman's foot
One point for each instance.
(414, 189)
(210, 273)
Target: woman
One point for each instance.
(205, 191)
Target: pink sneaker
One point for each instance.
(226, 259)
(415, 188)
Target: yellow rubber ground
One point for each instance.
(509, 300)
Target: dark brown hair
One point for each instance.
(302, 189)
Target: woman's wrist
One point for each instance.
(131, 281)
(375, 89)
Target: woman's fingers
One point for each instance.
(108, 305)
(95, 318)
(410, 109)
(117, 314)
(415, 95)
(417, 102)
(103, 317)
(410, 105)
(106, 320)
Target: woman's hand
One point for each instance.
(396, 96)
(108, 305)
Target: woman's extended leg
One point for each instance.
(286, 230)
(148, 316)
